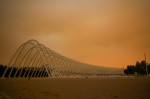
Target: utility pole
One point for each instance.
(146, 65)
(123, 70)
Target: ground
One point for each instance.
(76, 88)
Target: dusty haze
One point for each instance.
(106, 33)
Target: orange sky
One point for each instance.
(111, 33)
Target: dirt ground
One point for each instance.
(76, 88)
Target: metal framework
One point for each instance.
(40, 60)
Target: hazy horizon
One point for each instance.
(105, 33)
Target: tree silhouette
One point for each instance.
(139, 68)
